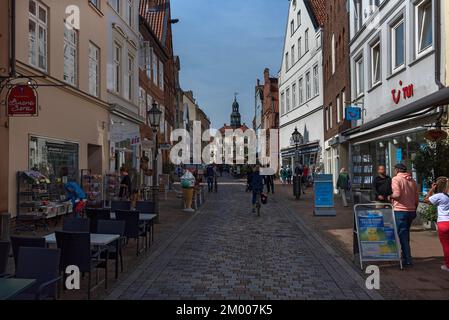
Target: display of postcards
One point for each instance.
(357, 159)
(368, 180)
(368, 169)
(366, 158)
(357, 169)
(357, 179)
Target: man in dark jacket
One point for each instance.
(382, 185)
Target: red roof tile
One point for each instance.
(157, 19)
(319, 9)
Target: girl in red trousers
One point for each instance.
(439, 197)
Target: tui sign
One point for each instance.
(353, 113)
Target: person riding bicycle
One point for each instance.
(256, 185)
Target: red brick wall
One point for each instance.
(337, 24)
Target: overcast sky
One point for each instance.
(224, 46)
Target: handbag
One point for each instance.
(263, 198)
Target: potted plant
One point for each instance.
(429, 215)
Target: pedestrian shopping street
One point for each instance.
(227, 252)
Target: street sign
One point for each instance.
(353, 113)
(377, 236)
(324, 195)
(22, 101)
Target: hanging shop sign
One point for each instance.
(21, 101)
(376, 231)
(353, 113)
(404, 92)
(436, 135)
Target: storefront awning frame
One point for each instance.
(432, 101)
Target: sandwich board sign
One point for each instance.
(377, 235)
(323, 190)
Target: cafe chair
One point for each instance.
(120, 205)
(134, 229)
(146, 207)
(30, 242)
(41, 264)
(113, 227)
(95, 215)
(4, 257)
(76, 251)
(76, 225)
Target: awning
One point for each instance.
(434, 100)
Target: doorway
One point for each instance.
(95, 158)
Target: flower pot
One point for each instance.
(188, 197)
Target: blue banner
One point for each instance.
(324, 191)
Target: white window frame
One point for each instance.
(292, 27)
(316, 80)
(129, 12)
(287, 99)
(117, 68)
(306, 40)
(308, 86)
(338, 109)
(129, 84)
(299, 18)
(286, 61)
(301, 91)
(331, 116)
(419, 52)
(282, 103)
(394, 65)
(115, 4)
(294, 96)
(70, 75)
(293, 55)
(359, 78)
(39, 48)
(343, 104)
(299, 48)
(94, 69)
(376, 65)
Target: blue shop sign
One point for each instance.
(353, 113)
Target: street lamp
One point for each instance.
(154, 119)
(297, 139)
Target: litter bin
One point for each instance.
(5, 221)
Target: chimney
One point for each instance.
(266, 74)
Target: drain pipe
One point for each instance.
(438, 33)
(12, 34)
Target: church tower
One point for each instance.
(236, 118)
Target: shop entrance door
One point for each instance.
(95, 158)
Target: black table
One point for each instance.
(11, 287)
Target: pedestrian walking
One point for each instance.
(210, 175)
(283, 175)
(382, 186)
(439, 197)
(256, 185)
(405, 199)
(289, 175)
(215, 178)
(343, 185)
(125, 184)
(269, 182)
(299, 172)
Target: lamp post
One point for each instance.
(154, 120)
(297, 139)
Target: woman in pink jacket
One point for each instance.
(405, 199)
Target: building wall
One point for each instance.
(302, 114)
(4, 132)
(65, 113)
(378, 100)
(336, 66)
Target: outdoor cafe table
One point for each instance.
(96, 240)
(146, 218)
(11, 287)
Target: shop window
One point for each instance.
(54, 158)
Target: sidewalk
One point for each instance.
(424, 281)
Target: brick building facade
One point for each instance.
(337, 85)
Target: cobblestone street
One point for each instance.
(227, 252)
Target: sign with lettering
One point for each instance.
(22, 101)
(404, 92)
